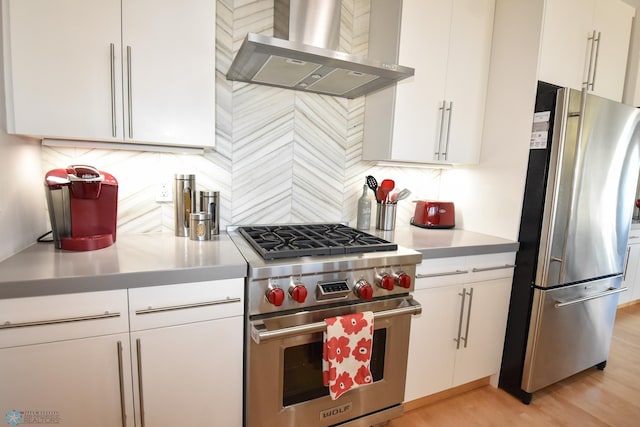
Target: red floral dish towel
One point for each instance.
(346, 352)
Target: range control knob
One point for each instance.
(403, 280)
(298, 292)
(363, 290)
(275, 296)
(385, 281)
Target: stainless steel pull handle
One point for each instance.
(112, 64)
(140, 386)
(446, 144)
(123, 413)
(441, 133)
(457, 340)
(413, 308)
(634, 237)
(595, 61)
(466, 332)
(447, 273)
(610, 291)
(150, 310)
(497, 267)
(129, 92)
(106, 315)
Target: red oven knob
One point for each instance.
(364, 290)
(385, 281)
(403, 280)
(275, 296)
(298, 292)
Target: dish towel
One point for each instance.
(346, 352)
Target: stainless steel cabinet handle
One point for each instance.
(140, 386)
(414, 308)
(446, 144)
(106, 315)
(457, 340)
(594, 39)
(447, 273)
(441, 133)
(123, 413)
(610, 291)
(187, 306)
(497, 267)
(129, 91)
(466, 332)
(112, 63)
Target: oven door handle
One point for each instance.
(413, 308)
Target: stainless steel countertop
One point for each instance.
(135, 260)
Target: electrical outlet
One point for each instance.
(164, 192)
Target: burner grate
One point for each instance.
(287, 241)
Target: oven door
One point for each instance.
(284, 369)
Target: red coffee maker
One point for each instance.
(83, 206)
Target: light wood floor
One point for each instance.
(590, 398)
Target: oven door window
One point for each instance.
(303, 369)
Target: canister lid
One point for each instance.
(185, 176)
(209, 193)
(200, 216)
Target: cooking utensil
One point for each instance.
(403, 194)
(387, 185)
(373, 185)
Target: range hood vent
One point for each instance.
(303, 56)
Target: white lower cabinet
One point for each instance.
(631, 274)
(155, 356)
(458, 338)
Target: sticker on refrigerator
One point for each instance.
(540, 130)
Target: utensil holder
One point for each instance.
(386, 216)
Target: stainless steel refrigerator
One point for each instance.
(579, 196)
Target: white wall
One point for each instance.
(489, 195)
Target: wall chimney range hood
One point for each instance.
(302, 54)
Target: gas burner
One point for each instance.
(286, 241)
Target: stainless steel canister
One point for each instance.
(210, 202)
(200, 226)
(184, 201)
(386, 216)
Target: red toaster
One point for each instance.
(430, 214)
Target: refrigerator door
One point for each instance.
(592, 181)
(571, 330)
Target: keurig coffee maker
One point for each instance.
(83, 206)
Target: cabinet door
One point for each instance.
(190, 375)
(631, 274)
(563, 53)
(432, 349)
(169, 56)
(82, 382)
(469, 49)
(484, 323)
(419, 110)
(612, 18)
(62, 68)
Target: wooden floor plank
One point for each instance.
(593, 398)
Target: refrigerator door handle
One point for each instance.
(610, 291)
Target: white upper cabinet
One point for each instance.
(437, 115)
(135, 71)
(586, 42)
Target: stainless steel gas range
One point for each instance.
(300, 275)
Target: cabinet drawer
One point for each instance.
(491, 266)
(60, 317)
(159, 306)
(436, 272)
